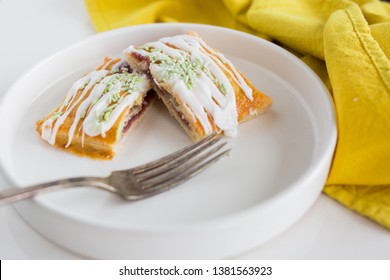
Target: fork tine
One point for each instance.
(180, 169)
(174, 163)
(184, 176)
(168, 158)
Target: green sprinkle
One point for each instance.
(107, 115)
(222, 88)
(112, 107)
(144, 47)
(56, 115)
(184, 68)
(83, 114)
(122, 82)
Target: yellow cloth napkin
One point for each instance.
(347, 43)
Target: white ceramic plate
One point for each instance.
(275, 172)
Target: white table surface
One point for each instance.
(32, 30)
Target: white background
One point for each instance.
(32, 30)
(279, 270)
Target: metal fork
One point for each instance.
(142, 181)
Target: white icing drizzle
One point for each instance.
(195, 73)
(244, 86)
(106, 64)
(91, 78)
(217, 57)
(173, 53)
(131, 48)
(90, 126)
(96, 93)
(109, 96)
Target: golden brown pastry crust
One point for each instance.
(99, 146)
(246, 109)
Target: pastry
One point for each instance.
(99, 110)
(200, 87)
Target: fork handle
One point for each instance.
(13, 195)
